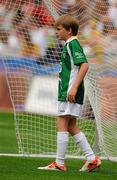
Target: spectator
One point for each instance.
(107, 84)
(39, 37)
(93, 41)
(28, 49)
(112, 12)
(42, 15)
(5, 22)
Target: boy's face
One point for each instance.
(62, 33)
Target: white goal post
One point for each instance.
(30, 52)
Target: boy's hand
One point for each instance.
(72, 94)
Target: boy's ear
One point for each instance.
(70, 30)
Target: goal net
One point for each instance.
(30, 52)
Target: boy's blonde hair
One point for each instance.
(68, 22)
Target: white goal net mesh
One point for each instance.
(30, 52)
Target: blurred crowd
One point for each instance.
(27, 28)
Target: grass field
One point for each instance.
(20, 168)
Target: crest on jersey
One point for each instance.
(79, 55)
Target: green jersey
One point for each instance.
(71, 58)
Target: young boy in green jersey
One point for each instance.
(74, 67)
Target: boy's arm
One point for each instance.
(79, 78)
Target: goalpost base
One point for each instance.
(53, 156)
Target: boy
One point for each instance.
(74, 67)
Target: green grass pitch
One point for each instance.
(22, 168)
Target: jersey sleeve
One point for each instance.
(77, 53)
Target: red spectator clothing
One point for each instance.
(42, 15)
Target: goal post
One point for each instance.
(31, 62)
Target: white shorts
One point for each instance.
(67, 108)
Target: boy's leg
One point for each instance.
(80, 139)
(92, 162)
(62, 138)
(62, 142)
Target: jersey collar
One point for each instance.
(71, 39)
